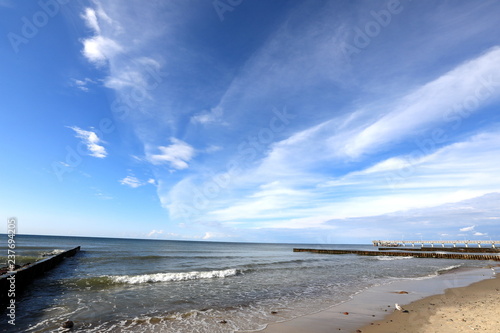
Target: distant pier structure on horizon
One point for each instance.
(393, 243)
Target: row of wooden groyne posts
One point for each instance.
(448, 249)
(18, 279)
(443, 243)
(467, 256)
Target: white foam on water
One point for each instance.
(392, 258)
(52, 253)
(449, 268)
(171, 277)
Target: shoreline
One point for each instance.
(376, 304)
(470, 308)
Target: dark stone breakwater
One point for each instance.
(14, 282)
(406, 254)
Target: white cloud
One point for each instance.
(64, 164)
(440, 220)
(476, 80)
(316, 222)
(83, 84)
(92, 141)
(119, 44)
(135, 74)
(98, 49)
(480, 234)
(369, 129)
(177, 155)
(393, 163)
(155, 233)
(271, 201)
(456, 172)
(90, 19)
(467, 164)
(101, 195)
(124, 45)
(168, 235)
(215, 235)
(309, 197)
(134, 182)
(207, 117)
(213, 149)
(131, 181)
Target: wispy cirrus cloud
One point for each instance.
(131, 181)
(434, 105)
(132, 73)
(134, 182)
(349, 153)
(430, 176)
(83, 84)
(470, 85)
(102, 195)
(442, 169)
(438, 177)
(91, 141)
(207, 117)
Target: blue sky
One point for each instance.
(282, 121)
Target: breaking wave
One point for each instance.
(51, 253)
(156, 277)
(392, 258)
(169, 277)
(447, 269)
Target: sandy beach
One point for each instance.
(456, 302)
(472, 308)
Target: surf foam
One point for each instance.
(170, 277)
(392, 258)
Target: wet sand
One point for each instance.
(467, 309)
(373, 310)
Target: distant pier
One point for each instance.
(414, 254)
(393, 243)
(21, 277)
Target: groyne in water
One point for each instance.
(444, 249)
(397, 243)
(407, 254)
(14, 282)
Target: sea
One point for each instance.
(134, 285)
